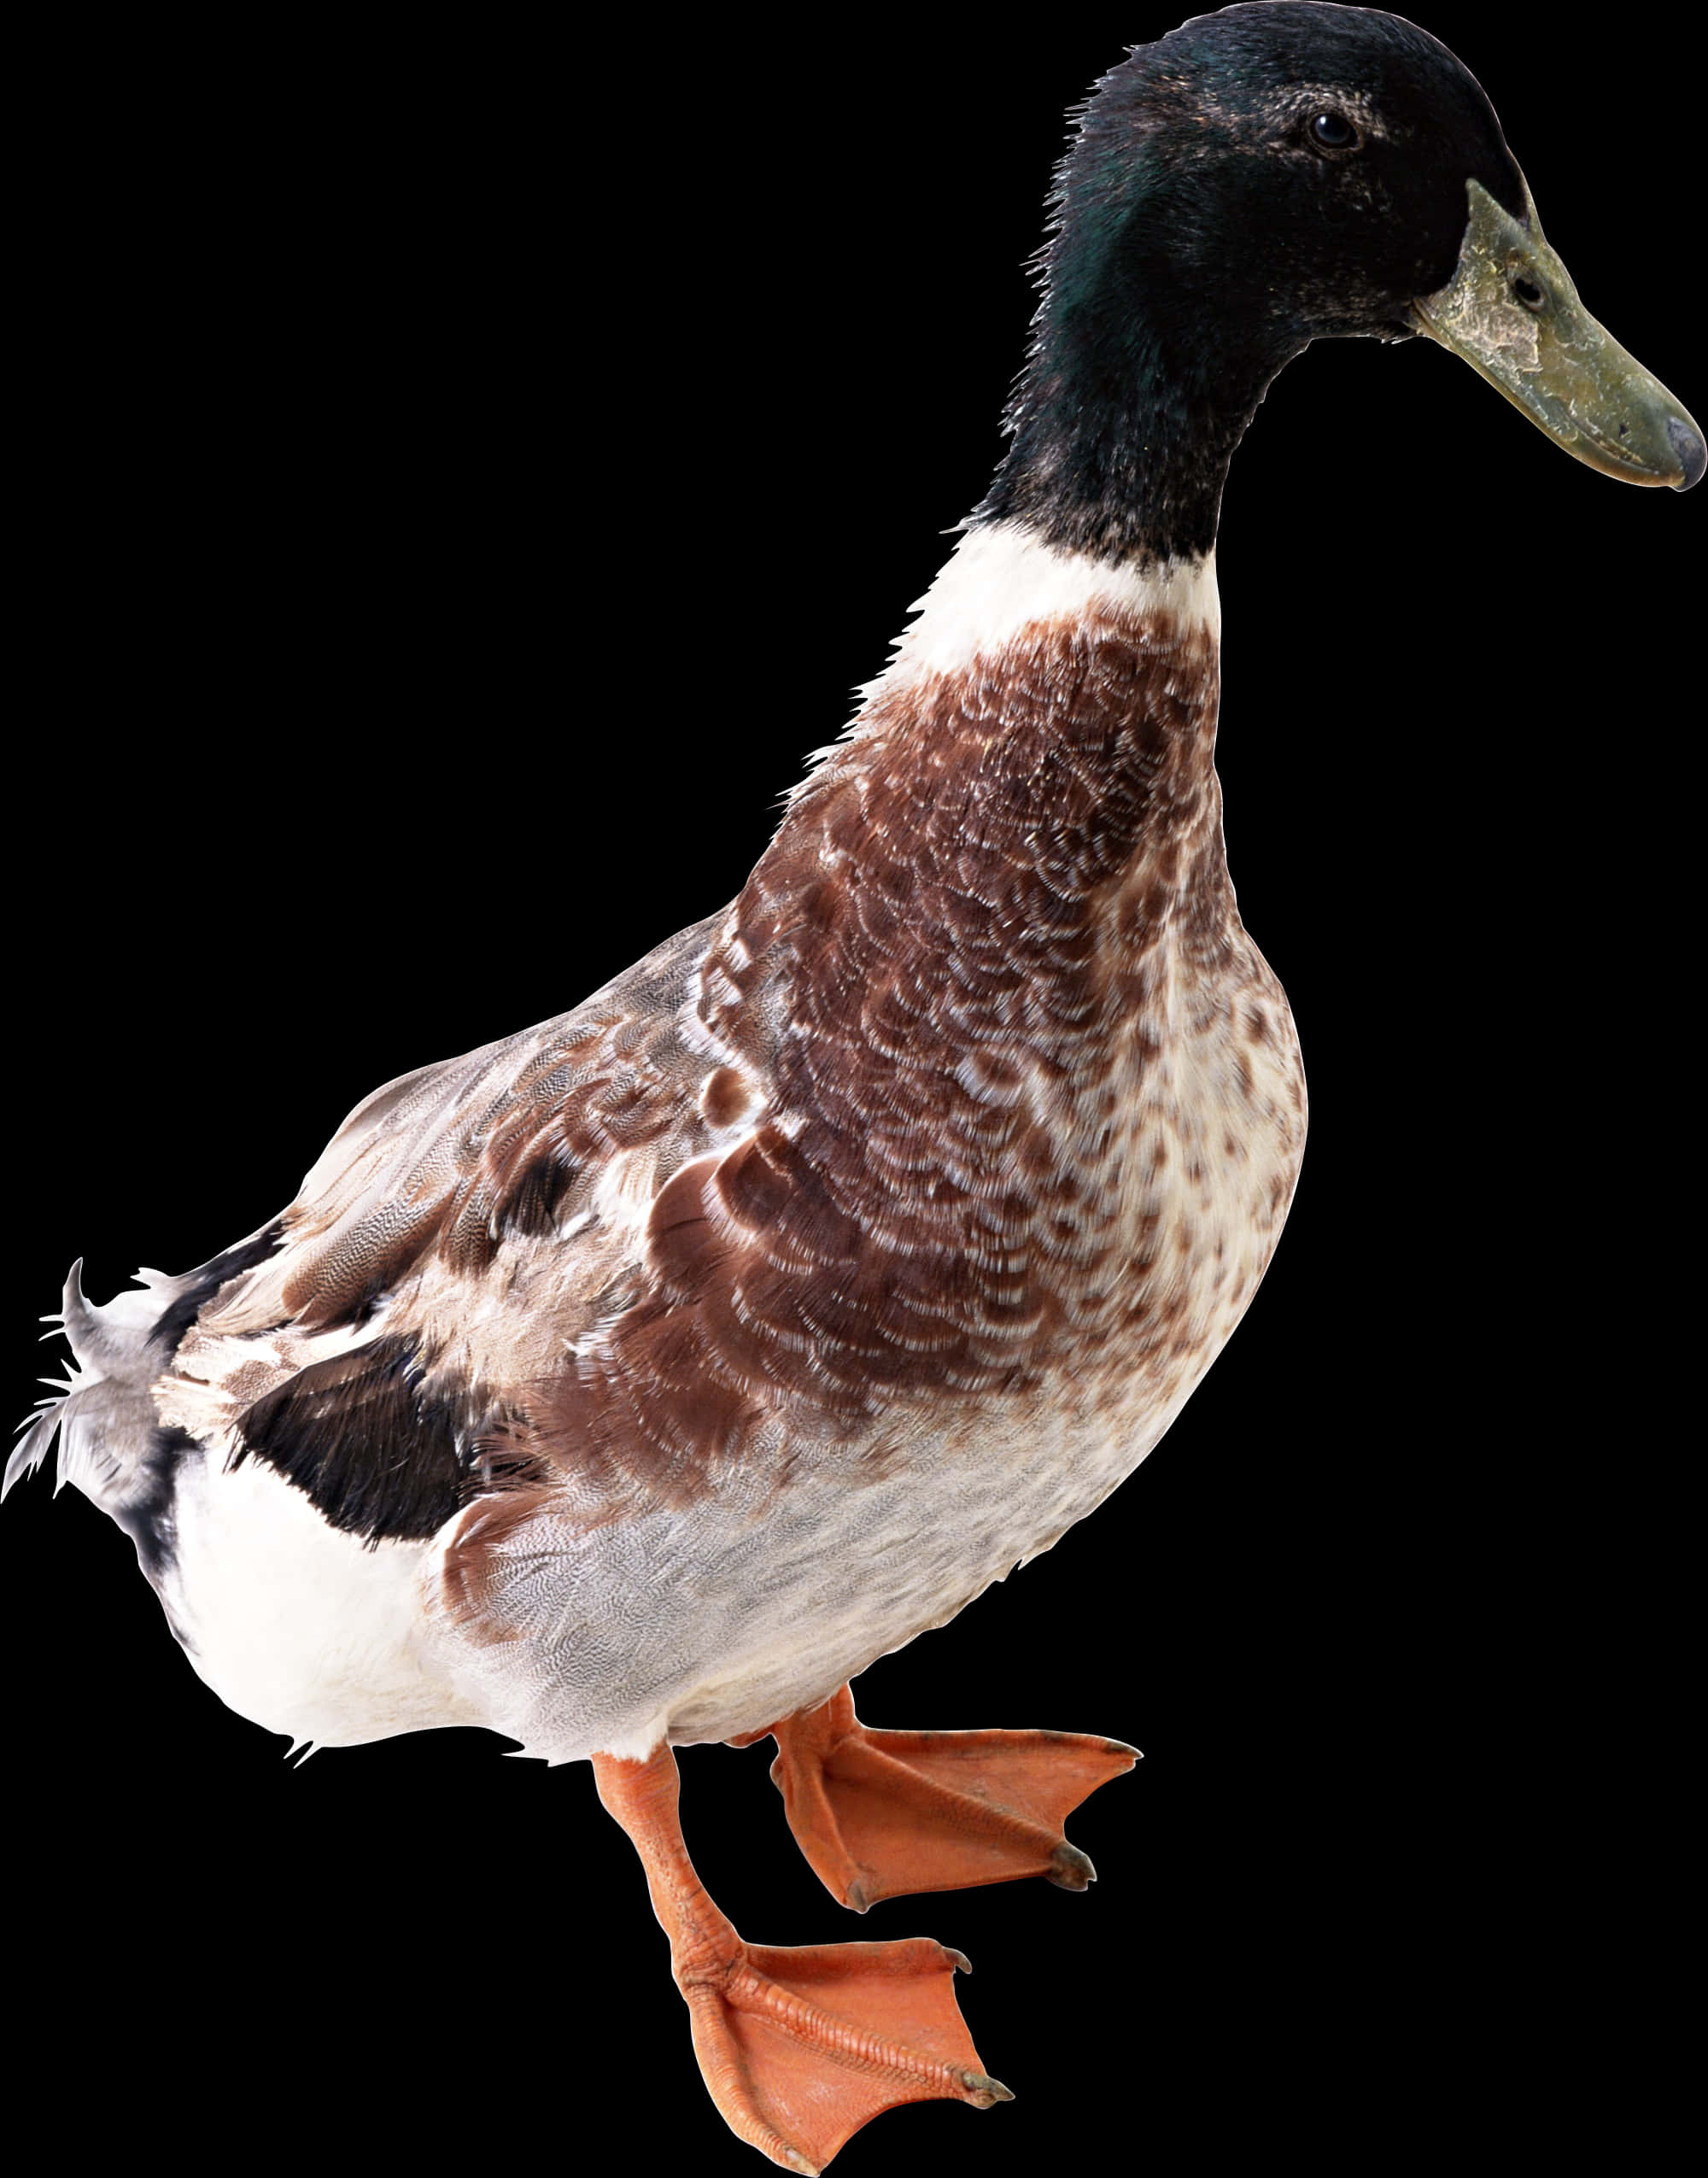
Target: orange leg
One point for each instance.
(881, 1813)
(800, 2047)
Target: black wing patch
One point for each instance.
(205, 1283)
(380, 1456)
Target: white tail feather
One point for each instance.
(104, 1416)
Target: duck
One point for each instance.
(636, 1381)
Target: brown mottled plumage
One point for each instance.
(899, 1138)
(930, 1006)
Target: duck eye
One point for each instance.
(1333, 133)
(1529, 294)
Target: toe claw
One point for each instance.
(962, 1963)
(984, 2092)
(1071, 1869)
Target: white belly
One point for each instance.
(701, 1624)
(303, 1629)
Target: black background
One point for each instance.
(474, 472)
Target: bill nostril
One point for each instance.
(1687, 444)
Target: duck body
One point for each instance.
(802, 1282)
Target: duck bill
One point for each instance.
(1512, 312)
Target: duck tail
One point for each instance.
(112, 1444)
(102, 1413)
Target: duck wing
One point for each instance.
(461, 1238)
(516, 1141)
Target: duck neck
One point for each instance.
(1153, 346)
(1132, 473)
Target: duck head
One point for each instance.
(1271, 175)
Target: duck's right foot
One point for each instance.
(880, 1813)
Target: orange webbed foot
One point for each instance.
(798, 2047)
(802, 2047)
(881, 1813)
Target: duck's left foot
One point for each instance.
(798, 2047)
(879, 1814)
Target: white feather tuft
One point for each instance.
(102, 1414)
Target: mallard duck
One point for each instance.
(638, 1379)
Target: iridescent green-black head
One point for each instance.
(1261, 178)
